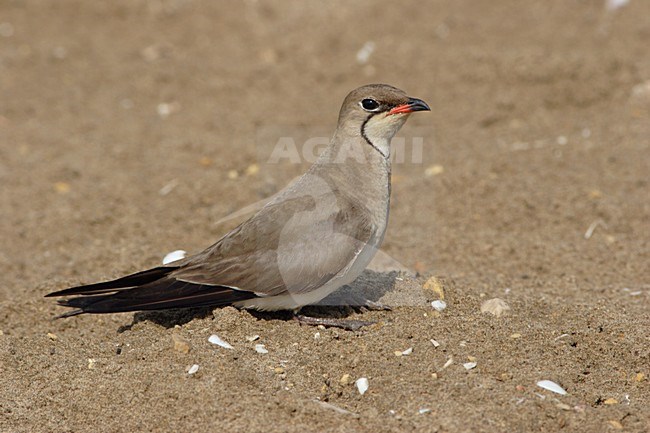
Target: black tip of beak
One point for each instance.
(416, 104)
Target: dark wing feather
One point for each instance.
(137, 279)
(163, 294)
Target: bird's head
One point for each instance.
(377, 111)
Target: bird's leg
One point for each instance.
(348, 325)
(368, 305)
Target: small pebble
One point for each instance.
(205, 161)
(610, 401)
(363, 55)
(180, 344)
(495, 306)
(435, 343)
(424, 410)
(91, 363)
(252, 338)
(259, 348)
(345, 380)
(252, 170)
(435, 285)
(639, 376)
(439, 305)
(232, 174)
(362, 385)
(278, 370)
(615, 424)
(214, 339)
(193, 369)
(434, 170)
(62, 187)
(515, 335)
(52, 336)
(448, 363)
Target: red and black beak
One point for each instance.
(413, 104)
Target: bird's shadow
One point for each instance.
(366, 290)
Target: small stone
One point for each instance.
(434, 375)
(206, 161)
(278, 370)
(495, 306)
(615, 424)
(563, 406)
(435, 343)
(435, 285)
(233, 174)
(180, 344)
(62, 187)
(471, 358)
(595, 194)
(50, 336)
(610, 401)
(515, 335)
(259, 348)
(91, 363)
(193, 369)
(640, 377)
(252, 338)
(345, 380)
(252, 170)
(165, 109)
(434, 170)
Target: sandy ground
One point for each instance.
(130, 128)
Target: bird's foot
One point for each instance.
(368, 305)
(348, 325)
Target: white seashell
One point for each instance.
(424, 410)
(193, 369)
(259, 348)
(439, 305)
(214, 339)
(549, 385)
(252, 338)
(469, 365)
(407, 351)
(173, 256)
(362, 385)
(435, 343)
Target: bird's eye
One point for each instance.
(370, 104)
